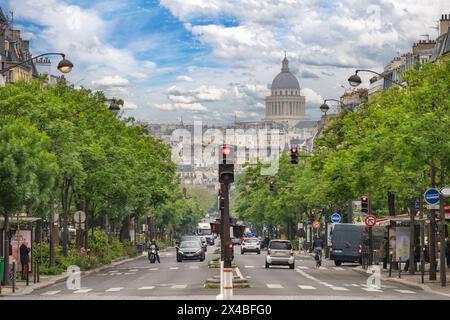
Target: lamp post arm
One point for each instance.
(384, 77)
(340, 102)
(2, 72)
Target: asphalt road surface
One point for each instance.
(181, 281)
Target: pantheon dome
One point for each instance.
(285, 104)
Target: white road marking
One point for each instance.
(147, 288)
(129, 273)
(174, 268)
(133, 270)
(307, 287)
(274, 286)
(116, 274)
(249, 267)
(338, 269)
(355, 285)
(51, 293)
(114, 289)
(369, 289)
(83, 291)
(303, 267)
(179, 286)
(405, 291)
(248, 277)
(339, 288)
(153, 269)
(113, 271)
(326, 284)
(193, 267)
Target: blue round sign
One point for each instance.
(336, 218)
(432, 196)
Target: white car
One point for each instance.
(280, 253)
(250, 245)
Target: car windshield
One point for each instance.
(251, 241)
(205, 232)
(280, 245)
(189, 244)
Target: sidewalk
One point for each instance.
(46, 281)
(414, 281)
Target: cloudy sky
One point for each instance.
(213, 60)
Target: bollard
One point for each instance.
(390, 265)
(399, 267)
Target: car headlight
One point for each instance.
(199, 251)
(180, 252)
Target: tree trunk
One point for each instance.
(66, 202)
(6, 245)
(412, 262)
(125, 230)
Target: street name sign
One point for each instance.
(432, 196)
(370, 221)
(336, 218)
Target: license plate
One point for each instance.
(338, 251)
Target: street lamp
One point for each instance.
(325, 107)
(64, 66)
(355, 80)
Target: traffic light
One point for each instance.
(294, 155)
(226, 165)
(272, 186)
(365, 204)
(229, 252)
(221, 201)
(215, 227)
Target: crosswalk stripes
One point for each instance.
(179, 286)
(51, 293)
(83, 291)
(307, 287)
(114, 290)
(249, 267)
(405, 291)
(369, 289)
(338, 288)
(174, 268)
(338, 269)
(274, 286)
(193, 267)
(146, 288)
(303, 267)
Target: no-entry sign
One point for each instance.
(316, 224)
(370, 221)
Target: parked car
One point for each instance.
(236, 241)
(280, 253)
(190, 250)
(250, 245)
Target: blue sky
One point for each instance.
(212, 60)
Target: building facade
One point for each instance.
(285, 104)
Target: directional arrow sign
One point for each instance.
(446, 192)
(336, 218)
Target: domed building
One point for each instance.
(285, 104)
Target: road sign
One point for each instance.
(336, 218)
(433, 207)
(316, 224)
(445, 192)
(79, 217)
(370, 221)
(432, 196)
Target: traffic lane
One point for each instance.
(347, 281)
(309, 282)
(141, 278)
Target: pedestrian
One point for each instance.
(447, 251)
(384, 251)
(24, 258)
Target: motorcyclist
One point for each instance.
(154, 246)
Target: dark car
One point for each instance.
(190, 250)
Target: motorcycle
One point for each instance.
(152, 256)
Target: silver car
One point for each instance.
(280, 253)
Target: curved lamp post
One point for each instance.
(355, 80)
(325, 107)
(64, 66)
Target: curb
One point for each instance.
(63, 278)
(407, 283)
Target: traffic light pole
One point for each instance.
(225, 242)
(370, 233)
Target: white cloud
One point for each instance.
(129, 105)
(200, 94)
(110, 81)
(311, 96)
(181, 106)
(184, 78)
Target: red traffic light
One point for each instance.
(226, 150)
(364, 198)
(294, 150)
(230, 245)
